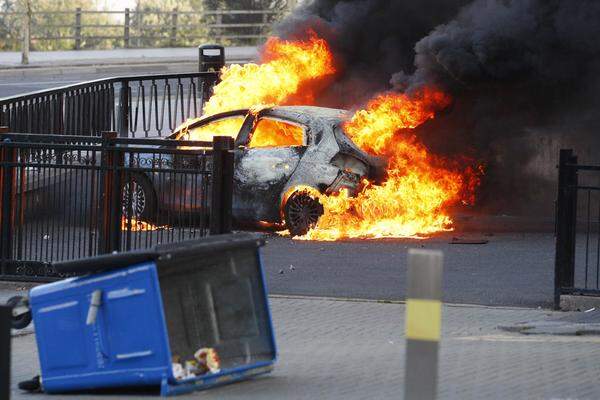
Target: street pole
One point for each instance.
(423, 323)
(26, 37)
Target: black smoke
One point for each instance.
(371, 39)
(523, 73)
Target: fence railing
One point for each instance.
(67, 197)
(85, 29)
(134, 106)
(577, 257)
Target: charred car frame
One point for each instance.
(281, 155)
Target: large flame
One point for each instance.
(419, 188)
(290, 72)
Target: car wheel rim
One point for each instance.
(136, 194)
(303, 212)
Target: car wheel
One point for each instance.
(22, 320)
(301, 213)
(139, 191)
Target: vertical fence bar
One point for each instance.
(124, 109)
(109, 238)
(423, 323)
(78, 28)
(222, 185)
(5, 327)
(566, 218)
(126, 26)
(7, 157)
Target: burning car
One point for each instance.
(283, 156)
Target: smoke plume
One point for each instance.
(523, 75)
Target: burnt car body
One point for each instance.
(273, 180)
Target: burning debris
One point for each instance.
(137, 225)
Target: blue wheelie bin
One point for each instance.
(139, 318)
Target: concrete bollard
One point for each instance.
(423, 323)
(5, 328)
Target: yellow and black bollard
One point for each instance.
(423, 323)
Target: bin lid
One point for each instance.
(163, 252)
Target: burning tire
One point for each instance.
(302, 212)
(139, 192)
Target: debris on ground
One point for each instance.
(206, 360)
(468, 240)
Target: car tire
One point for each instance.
(143, 202)
(301, 212)
(23, 320)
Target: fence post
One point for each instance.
(173, 41)
(78, 28)
(5, 328)
(123, 109)
(26, 39)
(110, 198)
(566, 224)
(423, 323)
(7, 219)
(222, 185)
(127, 24)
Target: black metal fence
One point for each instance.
(577, 258)
(134, 106)
(66, 197)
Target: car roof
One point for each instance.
(309, 111)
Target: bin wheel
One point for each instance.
(20, 321)
(32, 385)
(301, 212)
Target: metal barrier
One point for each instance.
(577, 258)
(134, 106)
(66, 197)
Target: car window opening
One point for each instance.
(221, 127)
(276, 133)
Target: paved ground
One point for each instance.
(512, 269)
(355, 350)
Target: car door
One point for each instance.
(185, 192)
(266, 156)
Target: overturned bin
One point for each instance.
(182, 316)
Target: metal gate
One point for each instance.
(66, 197)
(577, 257)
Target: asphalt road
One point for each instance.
(510, 270)
(14, 85)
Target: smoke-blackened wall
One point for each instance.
(523, 73)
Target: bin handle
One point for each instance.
(95, 304)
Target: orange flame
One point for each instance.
(290, 72)
(420, 187)
(412, 200)
(139, 225)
